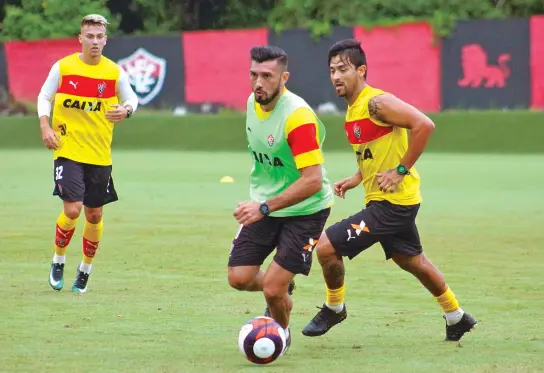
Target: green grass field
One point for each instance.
(159, 301)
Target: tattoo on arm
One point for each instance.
(334, 276)
(375, 108)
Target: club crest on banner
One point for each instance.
(146, 73)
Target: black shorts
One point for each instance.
(294, 237)
(91, 184)
(393, 226)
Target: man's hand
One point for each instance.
(248, 212)
(389, 180)
(117, 114)
(50, 138)
(341, 187)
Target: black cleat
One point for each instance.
(80, 283)
(323, 321)
(456, 331)
(290, 290)
(56, 276)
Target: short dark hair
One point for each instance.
(351, 50)
(269, 53)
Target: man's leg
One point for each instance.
(406, 251)
(299, 237)
(334, 310)
(250, 247)
(333, 269)
(348, 237)
(92, 234)
(69, 186)
(458, 322)
(275, 285)
(99, 191)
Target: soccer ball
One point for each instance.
(261, 340)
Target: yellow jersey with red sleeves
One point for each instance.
(83, 97)
(379, 147)
(281, 142)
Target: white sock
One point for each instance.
(59, 259)
(287, 333)
(454, 317)
(85, 268)
(336, 308)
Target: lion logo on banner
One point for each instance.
(476, 68)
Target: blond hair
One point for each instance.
(94, 20)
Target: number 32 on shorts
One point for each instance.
(58, 172)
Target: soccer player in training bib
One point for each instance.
(376, 126)
(87, 89)
(289, 190)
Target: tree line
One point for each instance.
(39, 19)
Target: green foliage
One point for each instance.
(161, 16)
(36, 19)
(319, 16)
(244, 13)
(39, 19)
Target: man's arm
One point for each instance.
(391, 110)
(127, 97)
(306, 186)
(47, 94)
(301, 134)
(45, 97)
(128, 101)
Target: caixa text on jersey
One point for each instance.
(82, 105)
(264, 158)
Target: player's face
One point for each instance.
(93, 38)
(267, 80)
(345, 77)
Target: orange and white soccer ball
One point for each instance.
(262, 340)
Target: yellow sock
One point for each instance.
(335, 298)
(92, 233)
(448, 302)
(63, 234)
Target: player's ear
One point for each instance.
(285, 76)
(361, 71)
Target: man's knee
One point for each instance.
(72, 209)
(93, 215)
(274, 292)
(239, 279)
(324, 250)
(412, 264)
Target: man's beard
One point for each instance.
(269, 99)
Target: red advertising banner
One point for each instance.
(537, 61)
(404, 61)
(28, 64)
(217, 65)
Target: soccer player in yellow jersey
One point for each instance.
(376, 126)
(91, 93)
